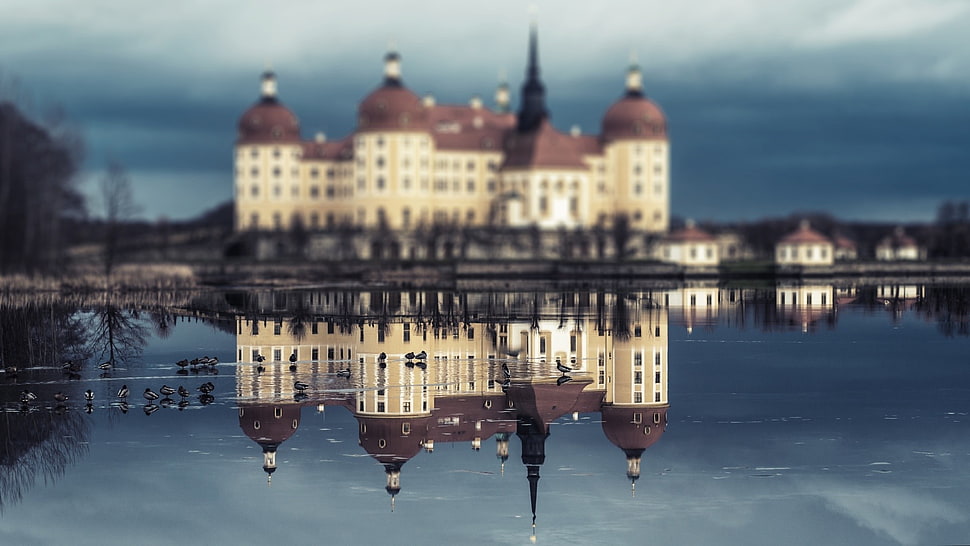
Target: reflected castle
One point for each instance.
(490, 372)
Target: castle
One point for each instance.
(412, 163)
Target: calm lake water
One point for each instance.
(799, 414)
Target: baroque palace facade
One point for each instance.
(412, 163)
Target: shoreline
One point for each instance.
(467, 273)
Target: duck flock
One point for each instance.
(163, 397)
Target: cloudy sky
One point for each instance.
(857, 107)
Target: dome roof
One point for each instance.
(385, 440)
(268, 424)
(268, 122)
(634, 117)
(626, 432)
(392, 107)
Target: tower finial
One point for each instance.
(268, 85)
(634, 79)
(392, 67)
(502, 96)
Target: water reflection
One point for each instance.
(487, 371)
(503, 371)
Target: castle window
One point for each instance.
(638, 398)
(254, 172)
(254, 152)
(471, 185)
(380, 161)
(277, 172)
(315, 192)
(277, 190)
(255, 190)
(276, 153)
(276, 132)
(380, 182)
(277, 221)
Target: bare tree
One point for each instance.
(119, 207)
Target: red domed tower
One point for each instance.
(637, 154)
(269, 426)
(393, 441)
(268, 152)
(633, 429)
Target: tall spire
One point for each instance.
(533, 109)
